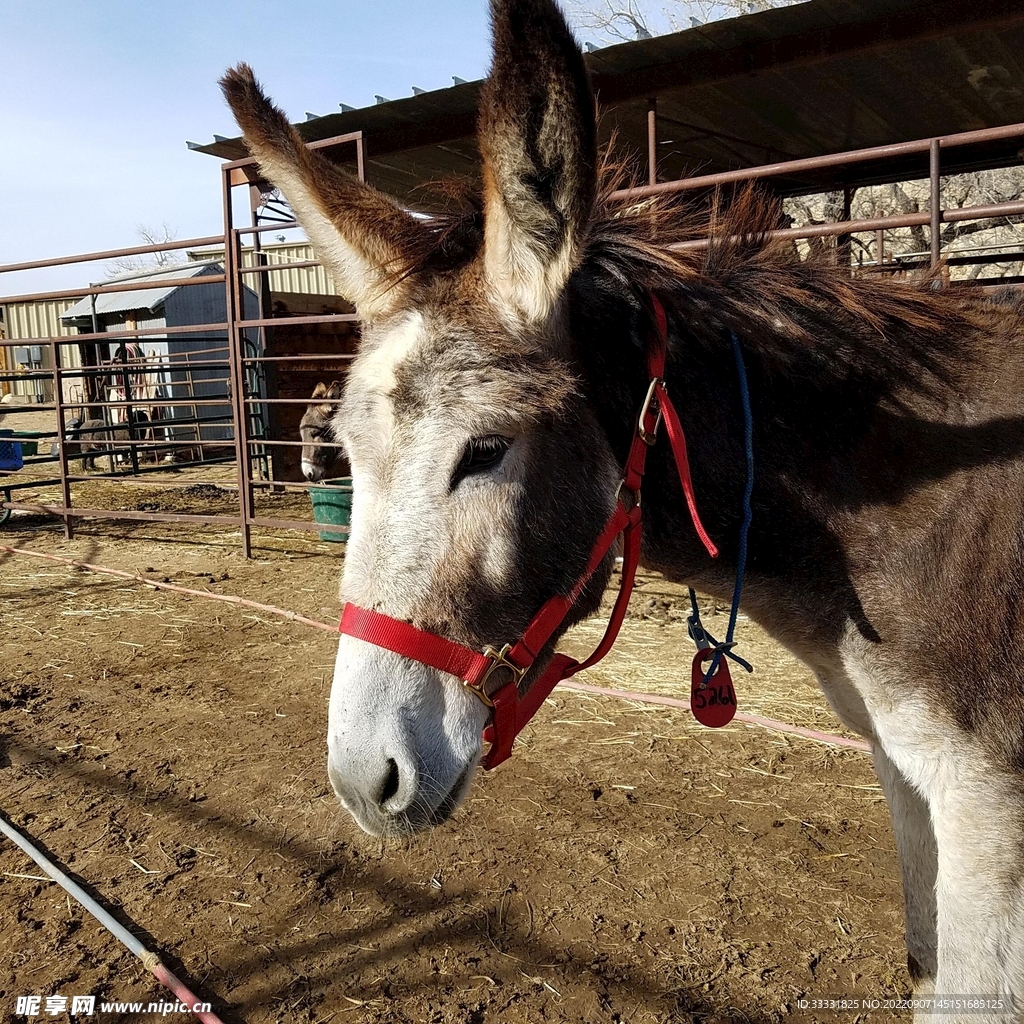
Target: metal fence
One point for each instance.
(231, 428)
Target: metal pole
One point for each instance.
(843, 245)
(361, 157)
(58, 401)
(265, 305)
(129, 411)
(91, 387)
(880, 246)
(197, 428)
(935, 201)
(652, 141)
(238, 354)
(234, 363)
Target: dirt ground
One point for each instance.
(625, 866)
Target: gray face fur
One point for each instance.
(447, 549)
(480, 476)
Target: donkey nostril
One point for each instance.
(390, 783)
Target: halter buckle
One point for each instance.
(499, 659)
(649, 437)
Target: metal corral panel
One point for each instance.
(302, 281)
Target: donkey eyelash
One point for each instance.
(479, 455)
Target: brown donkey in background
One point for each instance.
(488, 414)
(319, 448)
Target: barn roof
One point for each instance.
(149, 299)
(818, 77)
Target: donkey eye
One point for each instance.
(482, 453)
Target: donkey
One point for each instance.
(92, 439)
(316, 428)
(489, 411)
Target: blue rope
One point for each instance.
(748, 513)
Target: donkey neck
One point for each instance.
(798, 575)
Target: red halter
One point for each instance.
(495, 675)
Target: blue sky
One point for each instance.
(99, 96)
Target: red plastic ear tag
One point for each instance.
(712, 705)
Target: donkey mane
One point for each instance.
(804, 320)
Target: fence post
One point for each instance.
(652, 141)
(843, 242)
(935, 202)
(129, 411)
(361, 157)
(58, 401)
(236, 372)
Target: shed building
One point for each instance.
(187, 366)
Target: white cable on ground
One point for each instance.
(149, 960)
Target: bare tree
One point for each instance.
(151, 260)
(615, 21)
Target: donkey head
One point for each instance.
(317, 431)
(481, 477)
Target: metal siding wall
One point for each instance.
(200, 305)
(30, 320)
(37, 319)
(304, 281)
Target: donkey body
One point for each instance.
(93, 439)
(490, 409)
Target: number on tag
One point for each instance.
(713, 704)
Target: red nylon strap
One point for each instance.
(555, 609)
(630, 561)
(410, 642)
(510, 710)
(677, 440)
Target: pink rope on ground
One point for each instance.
(226, 598)
(644, 698)
(767, 723)
(185, 995)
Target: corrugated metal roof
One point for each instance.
(818, 77)
(149, 299)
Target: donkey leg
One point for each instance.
(978, 818)
(915, 844)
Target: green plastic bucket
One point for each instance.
(29, 442)
(332, 505)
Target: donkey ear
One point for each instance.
(320, 390)
(360, 234)
(336, 390)
(537, 135)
